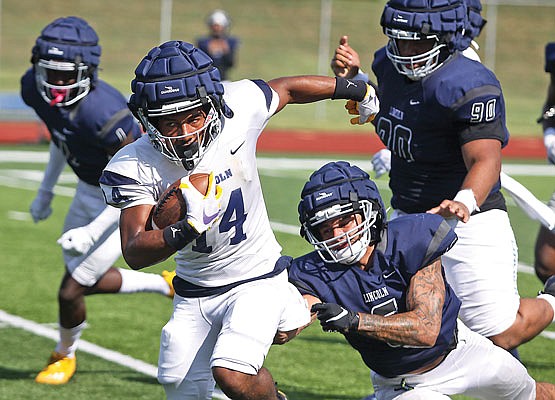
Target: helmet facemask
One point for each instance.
(418, 66)
(348, 247)
(62, 95)
(176, 77)
(187, 155)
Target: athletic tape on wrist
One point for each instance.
(466, 196)
(551, 300)
(349, 89)
(179, 234)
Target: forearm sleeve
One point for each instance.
(54, 168)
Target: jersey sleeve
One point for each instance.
(113, 120)
(253, 103)
(121, 180)
(27, 87)
(304, 275)
(477, 103)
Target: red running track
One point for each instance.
(288, 141)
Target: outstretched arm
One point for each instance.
(483, 161)
(310, 88)
(418, 326)
(282, 337)
(305, 89)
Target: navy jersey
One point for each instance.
(222, 61)
(408, 244)
(84, 131)
(424, 123)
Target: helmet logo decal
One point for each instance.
(169, 89)
(323, 195)
(400, 18)
(55, 51)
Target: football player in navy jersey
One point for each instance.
(88, 121)
(383, 287)
(442, 116)
(232, 293)
(219, 44)
(544, 262)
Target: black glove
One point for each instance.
(333, 317)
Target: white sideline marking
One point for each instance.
(280, 163)
(88, 347)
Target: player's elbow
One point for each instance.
(133, 262)
(428, 336)
(138, 261)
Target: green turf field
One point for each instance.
(278, 38)
(314, 366)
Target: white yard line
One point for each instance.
(88, 347)
(281, 163)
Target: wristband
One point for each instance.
(179, 234)
(466, 196)
(349, 89)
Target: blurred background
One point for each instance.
(278, 38)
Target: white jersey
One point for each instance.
(241, 244)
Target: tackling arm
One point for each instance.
(483, 162)
(283, 337)
(420, 325)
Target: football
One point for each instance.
(171, 206)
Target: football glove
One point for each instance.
(365, 109)
(80, 240)
(40, 207)
(202, 210)
(381, 162)
(549, 142)
(77, 241)
(333, 317)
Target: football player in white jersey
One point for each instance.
(232, 292)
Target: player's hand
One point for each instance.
(450, 209)
(381, 162)
(333, 317)
(77, 241)
(365, 109)
(345, 62)
(40, 207)
(202, 210)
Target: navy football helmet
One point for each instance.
(334, 190)
(65, 58)
(172, 78)
(443, 21)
